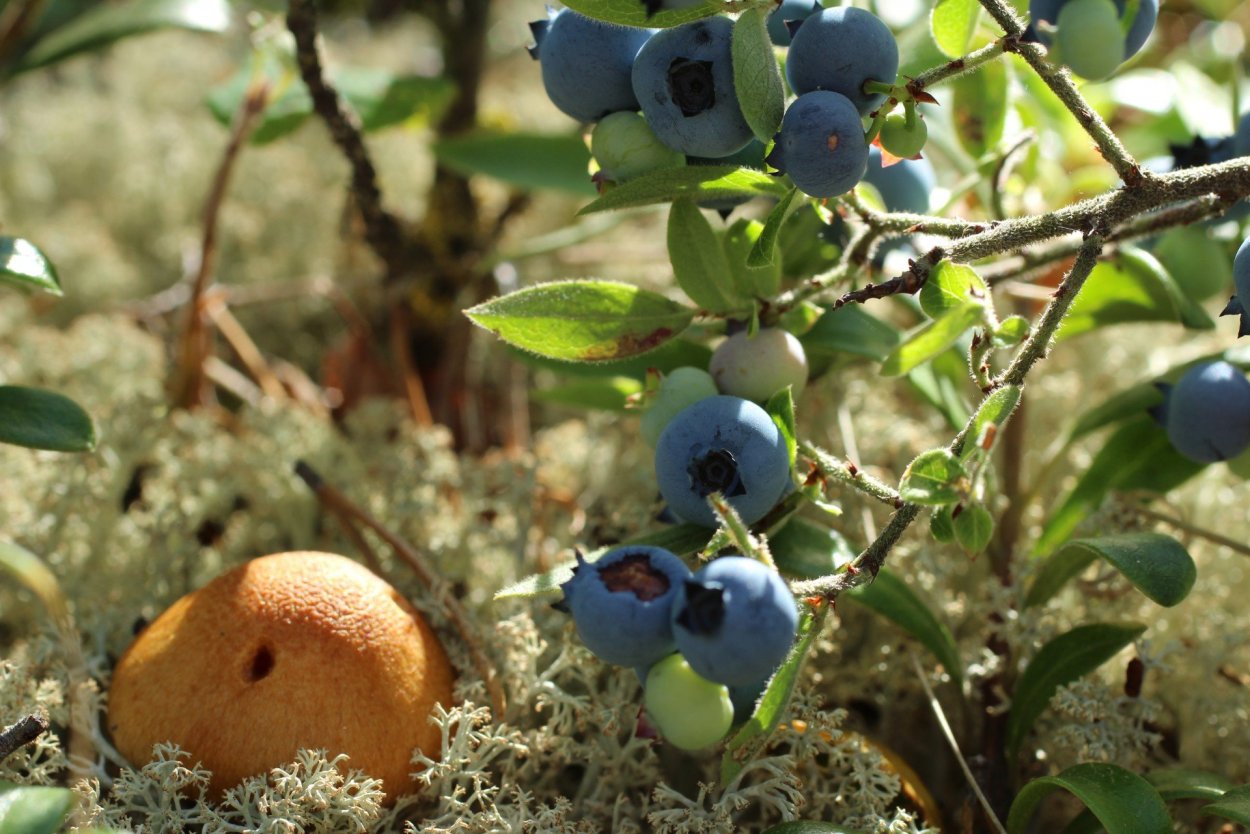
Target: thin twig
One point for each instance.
(940, 715)
(195, 345)
(21, 733)
(382, 230)
(343, 506)
(843, 471)
(1194, 530)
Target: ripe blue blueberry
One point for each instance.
(1241, 139)
(1044, 16)
(790, 11)
(622, 603)
(841, 49)
(727, 445)
(683, 78)
(1239, 304)
(821, 144)
(734, 621)
(1206, 414)
(587, 65)
(905, 186)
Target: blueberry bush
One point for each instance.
(867, 486)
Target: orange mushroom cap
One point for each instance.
(289, 651)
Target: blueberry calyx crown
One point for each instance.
(691, 87)
(635, 574)
(705, 607)
(1236, 308)
(715, 470)
(539, 29)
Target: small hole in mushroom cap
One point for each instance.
(261, 665)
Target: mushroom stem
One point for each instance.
(348, 513)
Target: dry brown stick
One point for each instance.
(246, 349)
(191, 385)
(414, 389)
(21, 733)
(343, 506)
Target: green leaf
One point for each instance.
(764, 252)
(698, 182)
(633, 13)
(941, 382)
(675, 353)
(1138, 456)
(942, 525)
(753, 735)
(1233, 805)
(700, 264)
(953, 24)
(23, 265)
(32, 572)
(1123, 802)
(681, 539)
(973, 528)
(851, 329)
(1145, 267)
(808, 550)
(935, 477)
(1187, 783)
(606, 393)
(527, 160)
(40, 419)
(993, 411)
(1012, 331)
(380, 98)
(752, 280)
(1158, 565)
(33, 809)
(806, 827)
(583, 321)
(1067, 657)
(894, 599)
(979, 102)
(951, 286)
(110, 22)
(757, 78)
(780, 407)
(931, 339)
(1131, 402)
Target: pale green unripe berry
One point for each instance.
(681, 388)
(756, 367)
(689, 711)
(901, 138)
(1090, 38)
(625, 147)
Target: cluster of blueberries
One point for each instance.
(703, 644)
(1207, 412)
(682, 81)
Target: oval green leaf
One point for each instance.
(757, 77)
(39, 419)
(851, 329)
(609, 393)
(953, 24)
(23, 265)
(979, 102)
(1233, 805)
(108, 23)
(892, 598)
(973, 528)
(583, 321)
(1158, 565)
(634, 13)
(1064, 659)
(699, 182)
(700, 264)
(951, 286)
(808, 550)
(1123, 802)
(994, 410)
(780, 407)
(753, 279)
(527, 160)
(931, 339)
(33, 809)
(934, 478)
(764, 252)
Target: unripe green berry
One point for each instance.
(1089, 38)
(756, 367)
(681, 387)
(1196, 261)
(625, 147)
(690, 712)
(901, 139)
